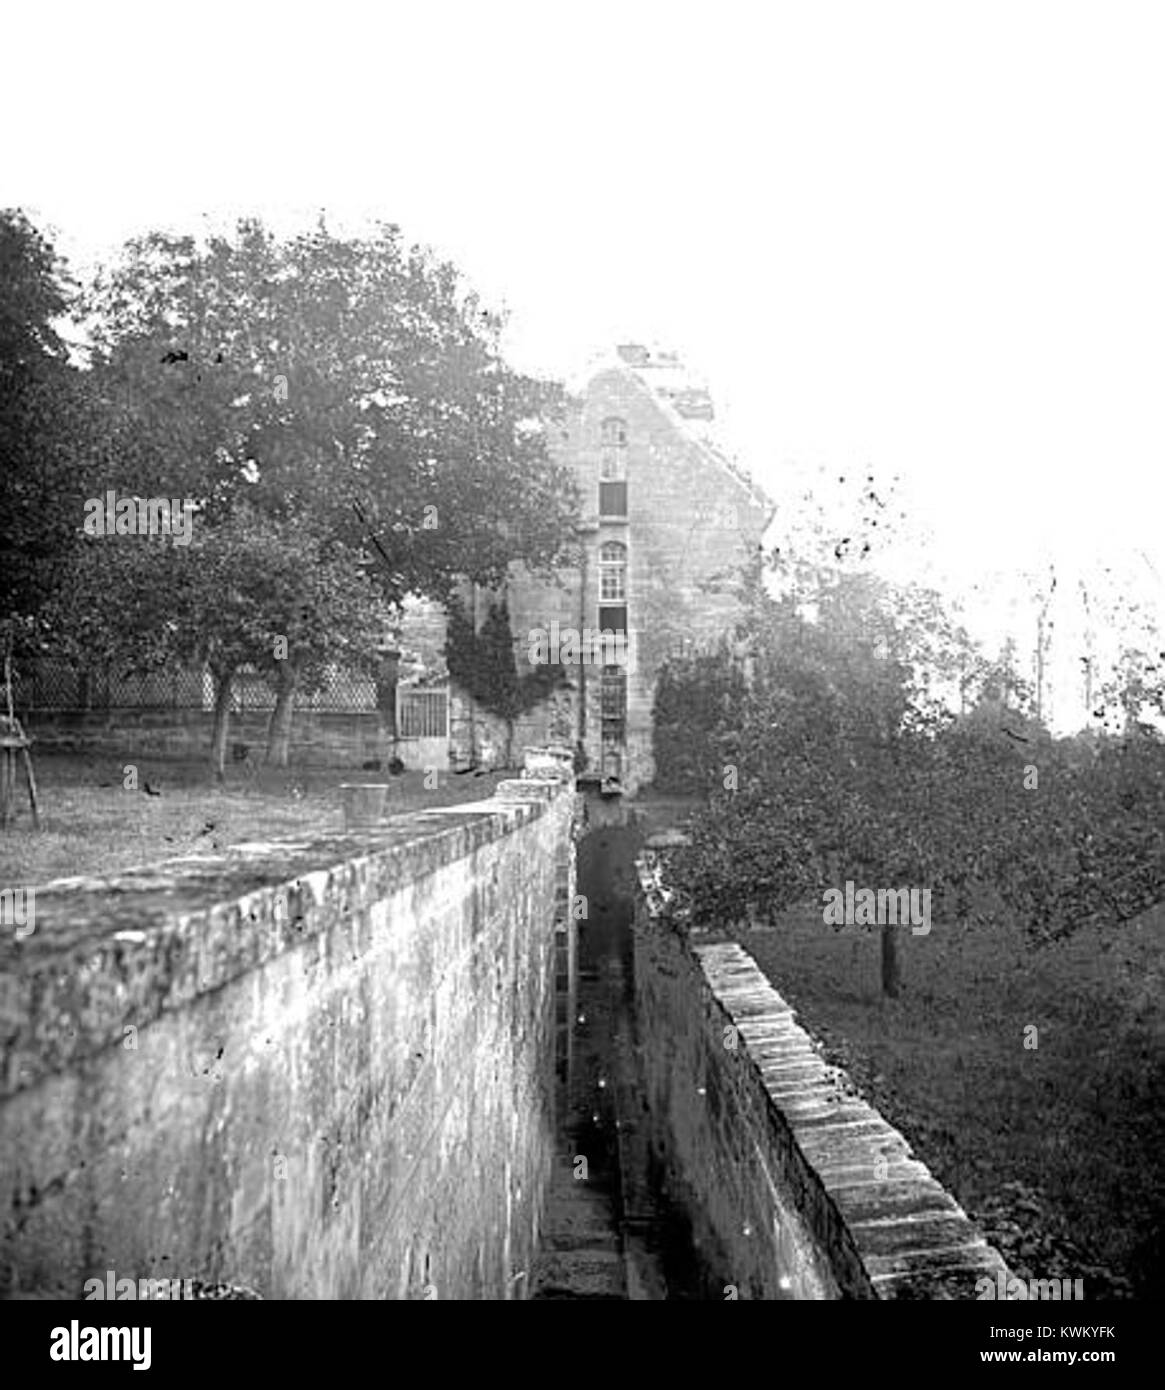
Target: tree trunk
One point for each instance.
(222, 719)
(471, 706)
(387, 676)
(279, 727)
(474, 749)
(891, 971)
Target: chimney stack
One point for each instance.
(634, 354)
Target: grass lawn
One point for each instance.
(1056, 1149)
(92, 825)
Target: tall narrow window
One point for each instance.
(613, 731)
(612, 573)
(613, 450)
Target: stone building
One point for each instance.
(668, 522)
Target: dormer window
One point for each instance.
(612, 573)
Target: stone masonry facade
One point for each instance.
(668, 523)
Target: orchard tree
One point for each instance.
(322, 609)
(808, 760)
(695, 699)
(257, 592)
(249, 592)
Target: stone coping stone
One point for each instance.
(898, 1224)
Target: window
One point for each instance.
(613, 618)
(613, 499)
(613, 696)
(613, 450)
(613, 731)
(612, 573)
(614, 432)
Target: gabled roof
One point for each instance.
(683, 398)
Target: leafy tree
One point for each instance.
(355, 381)
(248, 592)
(348, 393)
(46, 426)
(838, 764)
(810, 758)
(256, 592)
(324, 610)
(694, 698)
(1135, 689)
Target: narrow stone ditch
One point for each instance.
(610, 1232)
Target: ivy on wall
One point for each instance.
(482, 663)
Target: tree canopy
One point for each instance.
(336, 413)
(824, 753)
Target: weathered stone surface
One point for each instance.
(878, 1199)
(691, 515)
(806, 1191)
(338, 1076)
(526, 789)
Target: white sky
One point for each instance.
(927, 237)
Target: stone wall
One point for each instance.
(321, 1070)
(800, 1189)
(318, 738)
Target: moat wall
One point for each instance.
(321, 1070)
(797, 1188)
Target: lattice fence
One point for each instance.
(53, 684)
